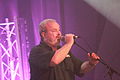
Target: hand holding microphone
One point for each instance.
(74, 37)
(69, 38)
(93, 57)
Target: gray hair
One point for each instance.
(42, 25)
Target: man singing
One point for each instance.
(51, 61)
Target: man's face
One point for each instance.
(52, 34)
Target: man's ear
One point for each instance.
(43, 34)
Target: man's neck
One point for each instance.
(54, 47)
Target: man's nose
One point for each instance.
(59, 33)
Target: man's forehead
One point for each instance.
(53, 25)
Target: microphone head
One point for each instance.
(63, 37)
(75, 37)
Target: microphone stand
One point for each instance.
(110, 72)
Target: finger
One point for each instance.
(95, 56)
(88, 54)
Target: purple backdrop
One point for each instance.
(74, 16)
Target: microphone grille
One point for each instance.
(75, 37)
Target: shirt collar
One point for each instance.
(46, 45)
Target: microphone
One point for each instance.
(74, 37)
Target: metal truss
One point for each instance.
(10, 54)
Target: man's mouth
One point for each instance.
(58, 37)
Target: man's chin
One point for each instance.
(57, 43)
